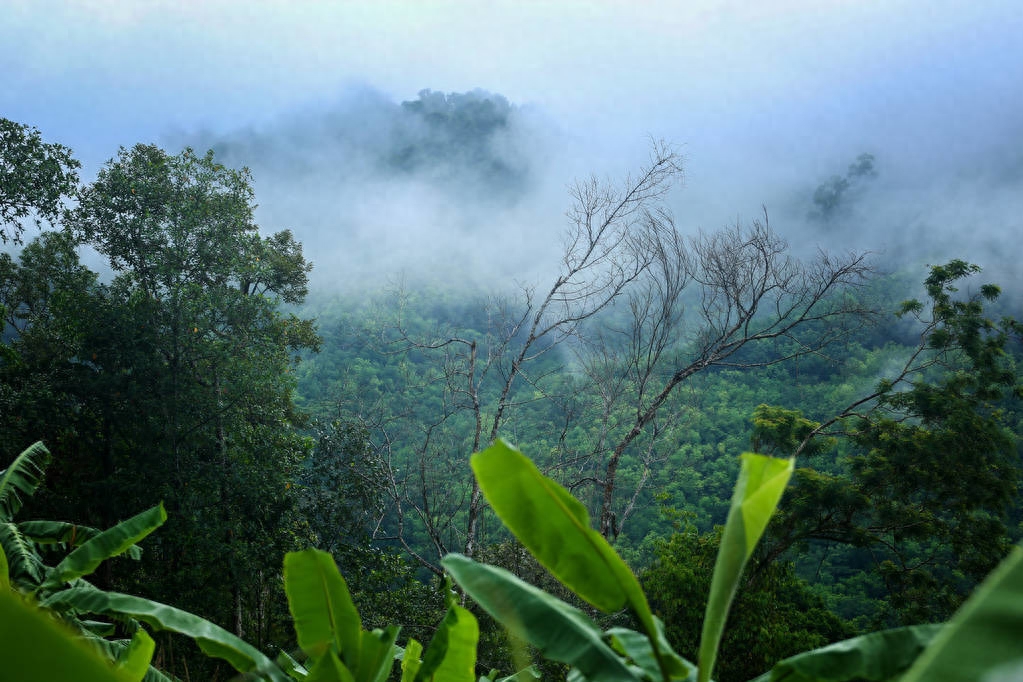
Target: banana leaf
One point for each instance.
(321, 606)
(110, 543)
(561, 632)
(874, 657)
(761, 483)
(36, 648)
(983, 635)
(21, 478)
(212, 639)
(451, 654)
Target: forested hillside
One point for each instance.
(194, 367)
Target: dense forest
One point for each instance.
(164, 348)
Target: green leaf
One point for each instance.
(21, 479)
(761, 483)
(410, 660)
(35, 648)
(321, 606)
(212, 639)
(110, 543)
(554, 527)
(5, 579)
(64, 533)
(329, 668)
(451, 654)
(983, 634)
(636, 646)
(24, 565)
(561, 632)
(874, 657)
(377, 654)
(291, 667)
(134, 661)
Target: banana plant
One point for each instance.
(555, 528)
(338, 649)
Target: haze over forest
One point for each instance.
(767, 106)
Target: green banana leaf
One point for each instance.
(5, 578)
(291, 667)
(36, 648)
(554, 527)
(321, 606)
(984, 633)
(329, 668)
(212, 639)
(134, 660)
(874, 657)
(376, 657)
(110, 543)
(451, 654)
(410, 661)
(761, 483)
(21, 478)
(25, 568)
(636, 647)
(65, 534)
(562, 632)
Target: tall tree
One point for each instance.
(933, 467)
(174, 380)
(34, 178)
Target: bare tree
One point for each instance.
(644, 309)
(710, 298)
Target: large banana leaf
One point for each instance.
(5, 579)
(212, 639)
(410, 662)
(377, 655)
(874, 657)
(110, 543)
(21, 478)
(134, 660)
(36, 648)
(984, 633)
(637, 648)
(554, 527)
(451, 655)
(321, 606)
(761, 483)
(65, 534)
(562, 632)
(24, 565)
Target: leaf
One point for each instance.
(24, 565)
(321, 606)
(377, 654)
(761, 483)
(636, 646)
(291, 667)
(35, 648)
(21, 479)
(451, 654)
(983, 634)
(553, 525)
(561, 632)
(555, 528)
(212, 639)
(134, 661)
(110, 543)
(410, 660)
(329, 668)
(5, 579)
(64, 533)
(874, 657)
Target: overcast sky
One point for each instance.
(766, 99)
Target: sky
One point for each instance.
(766, 100)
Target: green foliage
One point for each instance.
(34, 178)
(775, 614)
